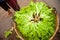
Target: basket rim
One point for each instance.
(57, 27)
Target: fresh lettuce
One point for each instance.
(41, 30)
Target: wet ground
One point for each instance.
(6, 21)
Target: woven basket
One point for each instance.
(51, 38)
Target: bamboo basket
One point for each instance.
(56, 27)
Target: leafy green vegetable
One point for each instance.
(7, 33)
(41, 28)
